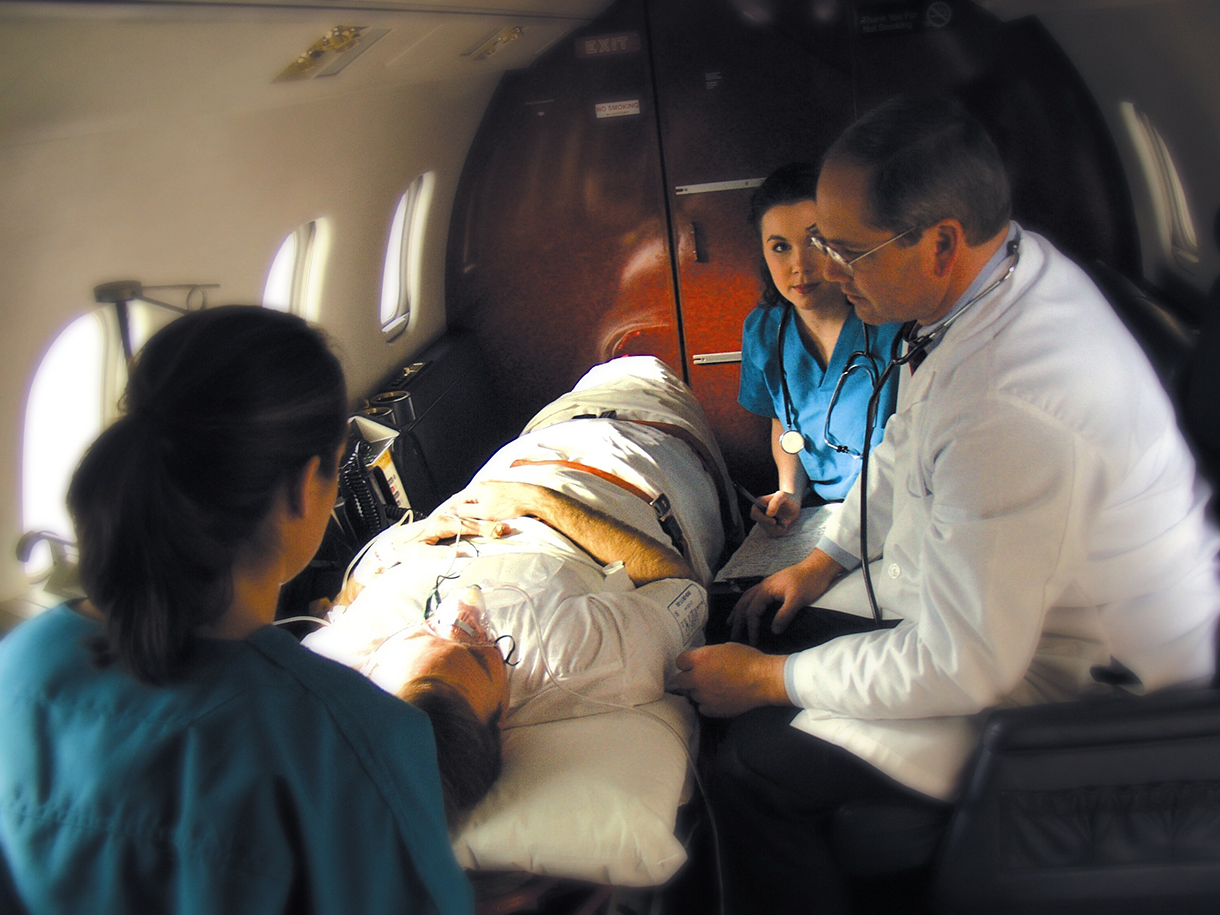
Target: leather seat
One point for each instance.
(1090, 807)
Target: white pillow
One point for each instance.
(592, 798)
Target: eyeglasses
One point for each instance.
(843, 263)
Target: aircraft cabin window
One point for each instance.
(292, 281)
(1175, 225)
(73, 396)
(404, 256)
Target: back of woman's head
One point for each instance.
(223, 408)
(788, 184)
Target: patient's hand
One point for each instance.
(604, 538)
(324, 606)
(351, 590)
(498, 500)
(447, 524)
(729, 679)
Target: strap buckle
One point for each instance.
(669, 521)
(604, 414)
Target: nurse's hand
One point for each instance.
(782, 509)
(793, 588)
(726, 680)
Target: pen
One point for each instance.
(758, 503)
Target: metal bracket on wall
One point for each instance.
(712, 186)
(120, 293)
(715, 358)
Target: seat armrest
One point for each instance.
(1126, 719)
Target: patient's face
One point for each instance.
(477, 672)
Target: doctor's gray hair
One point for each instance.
(224, 408)
(928, 159)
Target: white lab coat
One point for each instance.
(1039, 514)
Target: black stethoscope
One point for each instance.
(792, 440)
(917, 345)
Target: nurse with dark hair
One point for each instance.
(806, 356)
(166, 748)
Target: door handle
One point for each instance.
(698, 244)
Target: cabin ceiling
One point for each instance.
(68, 68)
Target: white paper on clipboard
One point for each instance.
(760, 555)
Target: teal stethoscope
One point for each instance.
(917, 346)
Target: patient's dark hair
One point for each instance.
(790, 183)
(468, 752)
(223, 408)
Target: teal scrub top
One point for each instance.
(831, 474)
(267, 780)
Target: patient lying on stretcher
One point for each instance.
(562, 581)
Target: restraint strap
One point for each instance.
(731, 521)
(660, 504)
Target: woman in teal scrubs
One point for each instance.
(165, 748)
(796, 347)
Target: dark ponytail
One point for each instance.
(790, 183)
(223, 407)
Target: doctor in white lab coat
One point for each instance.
(1035, 505)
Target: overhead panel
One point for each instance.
(74, 68)
(332, 53)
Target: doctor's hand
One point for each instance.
(782, 509)
(793, 588)
(726, 680)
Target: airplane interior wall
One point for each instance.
(207, 196)
(147, 141)
(1162, 57)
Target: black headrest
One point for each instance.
(1167, 341)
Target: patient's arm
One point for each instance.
(598, 534)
